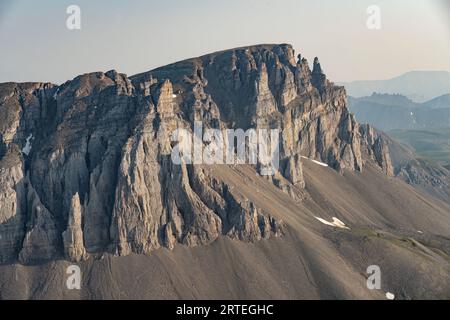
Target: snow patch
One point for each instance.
(315, 161)
(26, 150)
(319, 163)
(390, 296)
(56, 94)
(335, 223)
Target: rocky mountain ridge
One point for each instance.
(419, 86)
(85, 167)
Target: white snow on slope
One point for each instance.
(315, 161)
(390, 296)
(335, 223)
(26, 150)
(56, 94)
(319, 163)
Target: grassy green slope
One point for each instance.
(433, 144)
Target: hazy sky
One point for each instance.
(136, 35)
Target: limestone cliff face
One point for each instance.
(86, 167)
(73, 236)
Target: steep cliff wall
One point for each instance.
(86, 167)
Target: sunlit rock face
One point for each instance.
(98, 176)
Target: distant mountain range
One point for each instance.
(393, 111)
(418, 86)
(423, 128)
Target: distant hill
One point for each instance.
(439, 102)
(392, 111)
(433, 144)
(418, 86)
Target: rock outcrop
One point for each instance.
(73, 236)
(86, 166)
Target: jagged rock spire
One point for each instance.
(316, 66)
(73, 236)
(318, 77)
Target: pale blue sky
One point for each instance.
(134, 36)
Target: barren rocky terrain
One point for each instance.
(86, 177)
